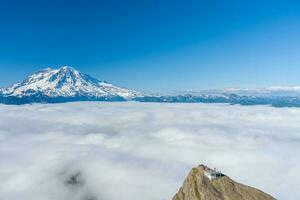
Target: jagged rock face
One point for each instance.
(197, 186)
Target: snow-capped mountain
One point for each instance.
(66, 82)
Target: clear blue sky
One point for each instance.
(155, 45)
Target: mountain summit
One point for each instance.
(64, 84)
(203, 183)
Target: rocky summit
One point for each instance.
(200, 186)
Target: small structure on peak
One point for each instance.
(196, 186)
(213, 174)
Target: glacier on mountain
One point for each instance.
(65, 83)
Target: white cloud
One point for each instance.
(143, 150)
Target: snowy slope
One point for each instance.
(65, 82)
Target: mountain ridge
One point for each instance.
(66, 84)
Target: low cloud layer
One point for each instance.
(134, 151)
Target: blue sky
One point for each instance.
(155, 45)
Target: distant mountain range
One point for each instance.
(67, 84)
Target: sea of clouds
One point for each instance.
(143, 151)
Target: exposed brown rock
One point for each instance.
(197, 186)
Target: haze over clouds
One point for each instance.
(137, 151)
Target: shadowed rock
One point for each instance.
(75, 182)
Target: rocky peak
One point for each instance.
(197, 186)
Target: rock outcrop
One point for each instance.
(197, 186)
